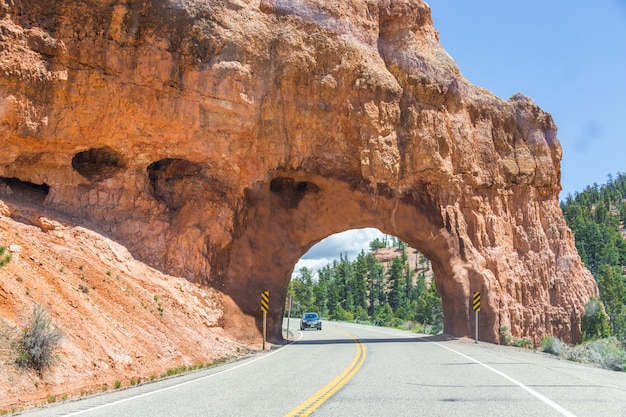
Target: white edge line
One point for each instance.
(503, 375)
(516, 382)
(145, 394)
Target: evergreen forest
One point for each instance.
(597, 216)
(397, 293)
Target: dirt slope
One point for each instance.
(121, 319)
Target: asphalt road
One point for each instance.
(354, 370)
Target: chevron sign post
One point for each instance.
(265, 306)
(476, 308)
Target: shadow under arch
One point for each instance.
(289, 214)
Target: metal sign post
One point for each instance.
(265, 303)
(476, 308)
(288, 316)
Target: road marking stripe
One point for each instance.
(317, 399)
(531, 391)
(515, 381)
(145, 394)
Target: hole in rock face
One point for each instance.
(35, 193)
(97, 164)
(290, 191)
(175, 181)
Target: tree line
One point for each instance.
(366, 290)
(597, 216)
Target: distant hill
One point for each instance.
(419, 263)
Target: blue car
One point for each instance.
(311, 321)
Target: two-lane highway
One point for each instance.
(355, 370)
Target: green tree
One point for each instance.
(396, 281)
(613, 294)
(360, 274)
(361, 314)
(302, 292)
(375, 282)
(383, 315)
(320, 291)
(429, 311)
(377, 244)
(594, 322)
(340, 314)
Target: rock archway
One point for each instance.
(288, 215)
(219, 140)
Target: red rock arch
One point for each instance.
(220, 140)
(284, 222)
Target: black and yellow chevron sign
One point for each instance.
(476, 303)
(265, 301)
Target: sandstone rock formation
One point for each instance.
(220, 140)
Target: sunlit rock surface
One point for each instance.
(220, 140)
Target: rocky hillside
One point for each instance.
(120, 319)
(420, 266)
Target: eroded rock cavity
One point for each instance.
(220, 140)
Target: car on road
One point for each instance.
(311, 321)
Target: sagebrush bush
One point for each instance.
(505, 336)
(552, 345)
(608, 353)
(38, 341)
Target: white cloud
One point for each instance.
(350, 242)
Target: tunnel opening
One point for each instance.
(367, 277)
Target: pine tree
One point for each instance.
(359, 278)
(375, 279)
(396, 281)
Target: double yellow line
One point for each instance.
(317, 399)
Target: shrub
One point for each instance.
(552, 345)
(595, 324)
(117, 384)
(505, 336)
(4, 259)
(38, 341)
(607, 353)
(523, 343)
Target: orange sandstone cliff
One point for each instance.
(219, 140)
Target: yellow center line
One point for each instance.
(317, 399)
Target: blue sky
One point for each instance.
(568, 56)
